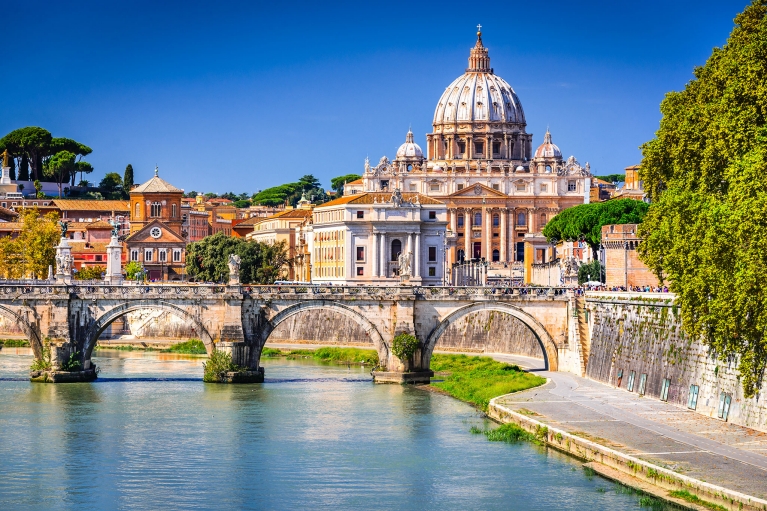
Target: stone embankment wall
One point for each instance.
(631, 333)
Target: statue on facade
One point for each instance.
(6, 156)
(570, 267)
(63, 264)
(234, 265)
(396, 198)
(367, 165)
(64, 226)
(404, 264)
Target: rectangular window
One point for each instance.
(724, 405)
(176, 255)
(496, 147)
(98, 257)
(385, 184)
(479, 147)
(520, 187)
(434, 187)
(148, 255)
(432, 271)
(630, 385)
(571, 186)
(459, 186)
(461, 147)
(432, 254)
(134, 255)
(692, 401)
(432, 215)
(360, 271)
(163, 255)
(360, 214)
(664, 389)
(5, 204)
(413, 187)
(360, 253)
(496, 186)
(642, 377)
(544, 188)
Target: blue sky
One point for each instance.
(240, 96)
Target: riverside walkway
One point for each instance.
(672, 437)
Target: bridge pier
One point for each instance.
(66, 364)
(241, 356)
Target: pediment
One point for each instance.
(477, 190)
(167, 235)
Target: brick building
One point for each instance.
(623, 268)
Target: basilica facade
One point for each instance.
(480, 163)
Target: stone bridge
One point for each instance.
(68, 319)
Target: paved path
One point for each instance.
(676, 438)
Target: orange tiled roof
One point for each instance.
(91, 205)
(355, 182)
(99, 224)
(79, 246)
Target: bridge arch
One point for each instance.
(109, 316)
(375, 336)
(547, 344)
(31, 333)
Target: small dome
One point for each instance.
(520, 168)
(548, 149)
(409, 149)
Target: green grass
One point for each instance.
(509, 433)
(694, 499)
(330, 355)
(477, 380)
(190, 347)
(125, 348)
(14, 343)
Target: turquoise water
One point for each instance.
(149, 434)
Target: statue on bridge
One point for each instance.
(234, 269)
(64, 227)
(64, 263)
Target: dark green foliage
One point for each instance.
(706, 173)
(612, 178)
(510, 433)
(261, 263)
(24, 168)
(190, 347)
(585, 222)
(15, 343)
(591, 272)
(73, 364)
(242, 204)
(60, 167)
(215, 369)
(33, 142)
(111, 186)
(290, 193)
(337, 183)
(128, 178)
(403, 346)
(89, 273)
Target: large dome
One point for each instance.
(479, 95)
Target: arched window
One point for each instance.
(521, 220)
(543, 220)
(477, 218)
(460, 220)
(496, 220)
(138, 210)
(156, 209)
(409, 168)
(496, 256)
(461, 255)
(548, 169)
(396, 249)
(173, 209)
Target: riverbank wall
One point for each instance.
(654, 475)
(635, 342)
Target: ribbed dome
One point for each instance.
(409, 149)
(479, 95)
(548, 149)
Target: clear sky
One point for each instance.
(240, 96)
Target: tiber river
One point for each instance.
(149, 434)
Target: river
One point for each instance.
(149, 434)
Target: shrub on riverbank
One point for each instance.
(219, 363)
(190, 347)
(477, 380)
(509, 433)
(332, 355)
(14, 343)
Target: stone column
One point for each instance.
(383, 255)
(469, 149)
(467, 232)
(114, 274)
(503, 212)
(417, 256)
(487, 241)
(374, 254)
(454, 220)
(488, 148)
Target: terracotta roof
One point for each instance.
(10, 226)
(80, 246)
(380, 198)
(99, 224)
(249, 221)
(291, 213)
(91, 205)
(355, 182)
(9, 212)
(156, 184)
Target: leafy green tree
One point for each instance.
(33, 250)
(591, 272)
(23, 168)
(59, 144)
(60, 166)
(112, 186)
(33, 142)
(132, 270)
(612, 178)
(706, 173)
(89, 273)
(585, 222)
(128, 178)
(337, 183)
(242, 204)
(260, 263)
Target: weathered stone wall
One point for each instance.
(490, 332)
(645, 336)
(317, 326)
(9, 328)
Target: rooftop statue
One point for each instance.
(6, 156)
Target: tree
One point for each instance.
(33, 142)
(706, 173)
(30, 254)
(89, 273)
(128, 178)
(261, 263)
(112, 186)
(585, 222)
(133, 270)
(60, 166)
(612, 178)
(591, 272)
(337, 183)
(24, 168)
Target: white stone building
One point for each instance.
(379, 238)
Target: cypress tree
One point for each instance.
(128, 178)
